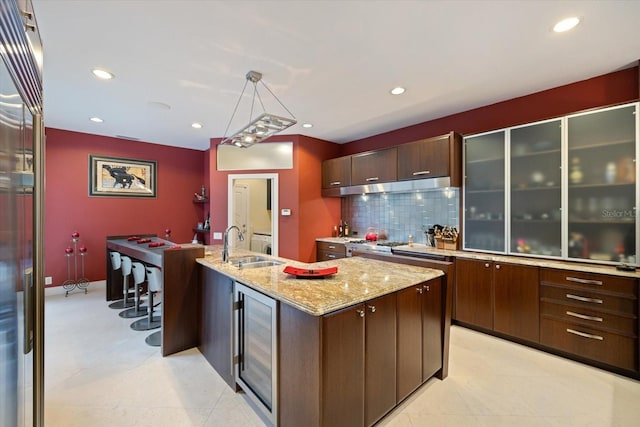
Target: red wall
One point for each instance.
(299, 190)
(68, 207)
(609, 89)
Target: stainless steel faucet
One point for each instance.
(225, 241)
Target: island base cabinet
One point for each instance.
(216, 323)
(343, 367)
(432, 337)
(420, 339)
(380, 358)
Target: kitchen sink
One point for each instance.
(254, 262)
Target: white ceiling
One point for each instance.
(332, 63)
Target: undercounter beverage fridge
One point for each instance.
(21, 218)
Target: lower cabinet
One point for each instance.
(216, 323)
(352, 365)
(419, 321)
(359, 354)
(326, 251)
(498, 296)
(593, 316)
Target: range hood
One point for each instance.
(407, 186)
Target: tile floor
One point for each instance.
(99, 372)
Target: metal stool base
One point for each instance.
(146, 325)
(120, 304)
(133, 312)
(154, 339)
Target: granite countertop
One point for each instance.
(420, 248)
(358, 279)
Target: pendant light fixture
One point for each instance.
(261, 127)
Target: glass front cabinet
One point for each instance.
(563, 188)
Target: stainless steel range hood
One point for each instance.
(389, 187)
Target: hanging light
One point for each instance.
(263, 126)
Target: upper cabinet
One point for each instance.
(602, 149)
(431, 158)
(420, 165)
(336, 172)
(562, 188)
(535, 188)
(374, 167)
(484, 192)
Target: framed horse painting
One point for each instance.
(118, 177)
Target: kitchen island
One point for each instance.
(350, 347)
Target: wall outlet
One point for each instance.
(48, 280)
(217, 235)
(285, 212)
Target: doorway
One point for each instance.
(253, 207)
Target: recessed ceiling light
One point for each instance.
(196, 125)
(566, 24)
(96, 119)
(397, 90)
(307, 125)
(102, 74)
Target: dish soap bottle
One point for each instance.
(346, 229)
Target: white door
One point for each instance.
(240, 216)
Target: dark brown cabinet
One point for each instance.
(431, 158)
(374, 167)
(473, 293)
(419, 335)
(216, 323)
(498, 296)
(326, 251)
(336, 172)
(380, 358)
(432, 343)
(359, 355)
(343, 367)
(593, 316)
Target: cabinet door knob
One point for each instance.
(360, 313)
(372, 308)
(486, 264)
(498, 267)
(427, 287)
(419, 290)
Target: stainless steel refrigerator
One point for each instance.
(21, 218)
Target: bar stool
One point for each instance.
(118, 262)
(154, 284)
(137, 271)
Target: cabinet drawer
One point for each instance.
(328, 256)
(591, 281)
(625, 325)
(579, 297)
(336, 248)
(605, 347)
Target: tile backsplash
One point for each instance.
(402, 214)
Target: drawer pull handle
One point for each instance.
(331, 256)
(334, 183)
(584, 316)
(585, 335)
(375, 178)
(331, 247)
(584, 299)
(584, 281)
(421, 173)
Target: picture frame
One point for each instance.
(122, 177)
